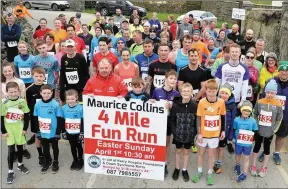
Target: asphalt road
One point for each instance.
(277, 176)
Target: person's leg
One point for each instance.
(11, 151)
(257, 146)
(55, 149)
(73, 144)
(168, 143)
(211, 159)
(46, 151)
(201, 155)
(186, 159)
(20, 165)
(279, 143)
(177, 158)
(79, 149)
(267, 144)
(237, 159)
(246, 163)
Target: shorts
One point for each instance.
(246, 150)
(15, 136)
(209, 142)
(283, 130)
(223, 143)
(180, 145)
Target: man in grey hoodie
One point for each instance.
(184, 28)
(118, 18)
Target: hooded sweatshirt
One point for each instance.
(231, 111)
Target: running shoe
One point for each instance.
(276, 158)
(55, 166)
(241, 177)
(74, 165)
(26, 154)
(217, 168)
(210, 179)
(46, 167)
(23, 169)
(237, 169)
(253, 170)
(185, 176)
(10, 178)
(262, 172)
(197, 177)
(175, 175)
(41, 161)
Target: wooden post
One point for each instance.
(239, 21)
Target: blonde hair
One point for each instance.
(186, 85)
(211, 84)
(23, 42)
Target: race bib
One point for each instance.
(37, 100)
(282, 100)
(211, 123)
(72, 77)
(155, 26)
(117, 24)
(185, 32)
(95, 50)
(51, 53)
(144, 69)
(25, 73)
(245, 137)
(87, 48)
(195, 92)
(242, 58)
(128, 83)
(46, 78)
(265, 118)
(249, 91)
(72, 126)
(44, 125)
(12, 43)
(13, 115)
(158, 81)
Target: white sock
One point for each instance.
(10, 171)
(184, 169)
(210, 171)
(200, 169)
(19, 164)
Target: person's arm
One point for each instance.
(198, 124)
(223, 123)
(148, 84)
(60, 125)
(262, 78)
(3, 129)
(82, 126)
(178, 33)
(26, 121)
(62, 81)
(84, 54)
(206, 51)
(116, 70)
(279, 118)
(172, 119)
(137, 70)
(28, 13)
(201, 92)
(180, 83)
(123, 90)
(256, 111)
(172, 58)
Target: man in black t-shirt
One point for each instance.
(158, 69)
(193, 74)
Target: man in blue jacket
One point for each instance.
(10, 35)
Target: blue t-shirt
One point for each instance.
(47, 114)
(144, 62)
(181, 60)
(24, 68)
(162, 94)
(72, 117)
(244, 124)
(50, 64)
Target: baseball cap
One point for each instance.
(108, 27)
(70, 42)
(147, 24)
(283, 65)
(125, 21)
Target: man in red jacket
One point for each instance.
(105, 82)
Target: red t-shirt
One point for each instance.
(110, 56)
(80, 45)
(39, 34)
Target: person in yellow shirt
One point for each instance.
(59, 34)
(201, 47)
(20, 11)
(135, 26)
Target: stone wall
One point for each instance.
(77, 5)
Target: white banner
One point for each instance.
(124, 138)
(238, 14)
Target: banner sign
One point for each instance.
(124, 138)
(238, 14)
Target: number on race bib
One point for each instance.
(12, 43)
(13, 115)
(128, 83)
(211, 123)
(46, 79)
(159, 81)
(245, 137)
(25, 73)
(44, 125)
(282, 100)
(265, 118)
(145, 77)
(87, 48)
(72, 77)
(185, 32)
(72, 126)
(51, 53)
(249, 91)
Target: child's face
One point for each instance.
(13, 93)
(138, 89)
(38, 78)
(22, 48)
(46, 94)
(270, 95)
(8, 72)
(211, 93)
(71, 100)
(246, 113)
(171, 81)
(224, 96)
(186, 93)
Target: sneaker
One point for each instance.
(276, 158)
(241, 177)
(210, 179)
(23, 169)
(55, 167)
(26, 154)
(185, 176)
(74, 165)
(261, 157)
(194, 149)
(46, 167)
(10, 178)
(80, 164)
(41, 161)
(166, 171)
(217, 168)
(230, 148)
(253, 170)
(237, 169)
(31, 140)
(197, 177)
(262, 172)
(175, 175)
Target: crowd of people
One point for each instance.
(222, 89)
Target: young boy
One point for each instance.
(268, 114)
(14, 125)
(244, 126)
(231, 109)
(33, 96)
(47, 117)
(183, 126)
(167, 92)
(211, 113)
(138, 91)
(72, 112)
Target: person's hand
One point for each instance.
(168, 105)
(222, 136)
(24, 132)
(64, 136)
(153, 100)
(81, 136)
(5, 135)
(120, 97)
(38, 136)
(127, 98)
(200, 138)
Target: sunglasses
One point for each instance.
(250, 57)
(120, 43)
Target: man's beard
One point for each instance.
(248, 38)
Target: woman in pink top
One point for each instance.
(126, 69)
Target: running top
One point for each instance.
(181, 60)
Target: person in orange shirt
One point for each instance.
(210, 127)
(59, 34)
(201, 47)
(20, 11)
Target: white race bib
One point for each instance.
(155, 26)
(87, 48)
(25, 73)
(51, 53)
(245, 137)
(72, 126)
(242, 58)
(95, 50)
(282, 100)
(195, 92)
(37, 100)
(265, 118)
(72, 77)
(46, 79)
(13, 115)
(12, 43)
(128, 83)
(185, 32)
(117, 24)
(144, 69)
(159, 81)
(44, 125)
(211, 123)
(145, 77)
(249, 91)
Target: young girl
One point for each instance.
(51, 47)
(23, 63)
(14, 125)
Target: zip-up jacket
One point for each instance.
(231, 111)
(10, 35)
(264, 76)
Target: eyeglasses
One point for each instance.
(250, 57)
